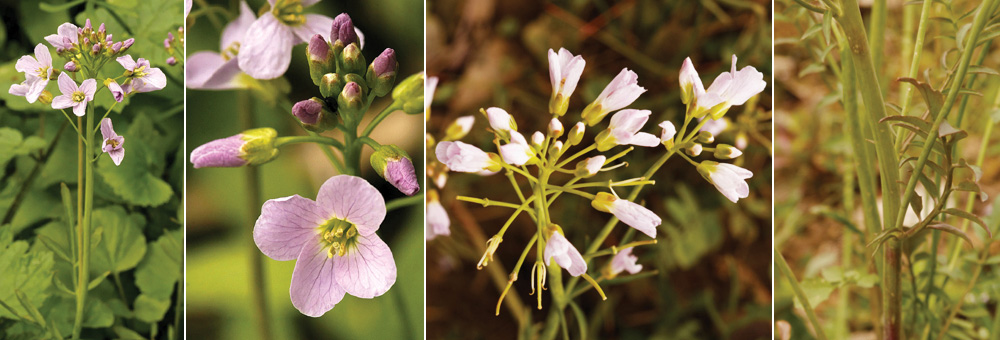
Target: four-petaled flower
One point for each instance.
(624, 130)
(141, 77)
(66, 36)
(333, 241)
(438, 222)
(74, 96)
(37, 72)
(565, 70)
(565, 254)
(517, 152)
(630, 213)
(113, 144)
(461, 157)
(218, 71)
(728, 89)
(625, 261)
(266, 50)
(621, 92)
(729, 179)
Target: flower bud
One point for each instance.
(351, 60)
(45, 97)
(555, 149)
(589, 167)
(693, 150)
(101, 29)
(705, 137)
(127, 43)
(350, 102)
(726, 151)
(576, 134)
(537, 139)
(116, 47)
(330, 85)
(252, 147)
(393, 164)
(410, 92)
(171, 61)
(382, 72)
(501, 122)
(71, 67)
(741, 140)
(343, 30)
(320, 58)
(313, 115)
(459, 128)
(555, 128)
(166, 43)
(96, 49)
(87, 27)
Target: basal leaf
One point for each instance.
(162, 266)
(24, 271)
(150, 309)
(132, 180)
(124, 244)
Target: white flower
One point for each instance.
(624, 130)
(728, 89)
(728, 178)
(630, 213)
(625, 261)
(621, 92)
(517, 152)
(501, 121)
(590, 166)
(564, 73)
(565, 254)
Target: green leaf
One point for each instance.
(951, 229)
(150, 309)
(133, 180)
(124, 244)
(966, 215)
(13, 144)
(933, 98)
(24, 271)
(817, 290)
(162, 266)
(812, 68)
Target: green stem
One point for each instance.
(799, 293)
(282, 141)
(88, 205)
(918, 48)
(253, 201)
(403, 202)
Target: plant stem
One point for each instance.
(282, 141)
(381, 115)
(258, 286)
(403, 202)
(918, 48)
(88, 205)
(799, 293)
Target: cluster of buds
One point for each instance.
(518, 153)
(85, 45)
(345, 83)
(174, 45)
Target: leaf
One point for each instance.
(950, 229)
(983, 70)
(132, 180)
(913, 121)
(933, 98)
(162, 266)
(966, 215)
(817, 290)
(150, 309)
(972, 187)
(12, 144)
(124, 244)
(24, 271)
(812, 68)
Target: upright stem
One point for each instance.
(799, 293)
(253, 207)
(84, 230)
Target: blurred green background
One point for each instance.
(713, 256)
(219, 240)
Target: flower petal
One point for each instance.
(62, 102)
(117, 155)
(235, 30)
(88, 87)
(315, 24)
(314, 290)
(43, 56)
(66, 84)
(154, 80)
(268, 54)
(644, 139)
(80, 109)
(285, 225)
(107, 129)
(367, 270)
(27, 64)
(354, 199)
(127, 62)
(636, 216)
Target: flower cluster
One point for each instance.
(86, 51)
(333, 238)
(544, 151)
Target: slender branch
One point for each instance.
(799, 293)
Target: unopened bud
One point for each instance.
(726, 151)
(71, 67)
(382, 72)
(320, 59)
(693, 150)
(350, 102)
(410, 92)
(351, 60)
(576, 134)
(343, 30)
(393, 164)
(45, 97)
(330, 85)
(555, 128)
(171, 61)
(705, 137)
(313, 115)
(589, 167)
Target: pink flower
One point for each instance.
(630, 213)
(621, 92)
(565, 254)
(113, 144)
(74, 96)
(438, 222)
(729, 179)
(565, 70)
(116, 91)
(517, 152)
(253, 147)
(142, 77)
(667, 136)
(461, 157)
(333, 241)
(209, 70)
(267, 52)
(624, 130)
(625, 261)
(429, 87)
(67, 36)
(37, 73)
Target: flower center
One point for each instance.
(78, 96)
(338, 236)
(289, 12)
(43, 72)
(139, 72)
(231, 51)
(112, 142)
